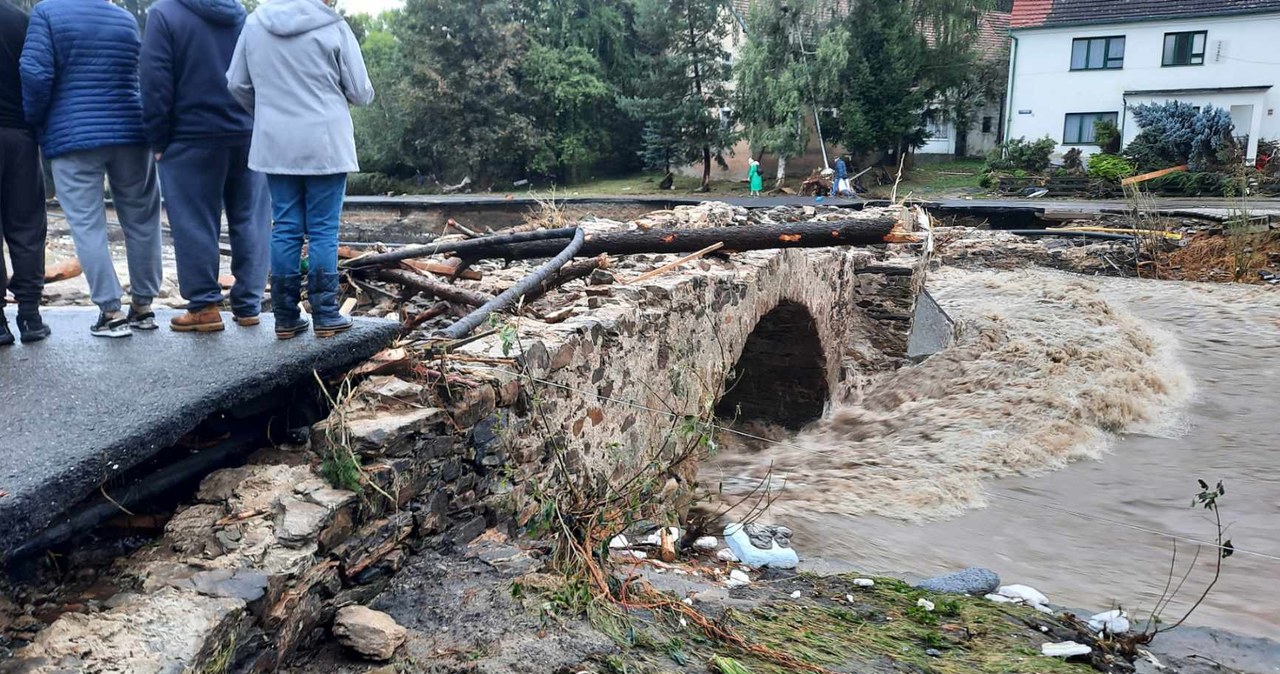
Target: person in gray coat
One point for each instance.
(297, 68)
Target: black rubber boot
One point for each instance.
(6, 337)
(31, 326)
(323, 293)
(286, 293)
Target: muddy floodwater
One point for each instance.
(1058, 443)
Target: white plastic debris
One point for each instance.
(633, 553)
(726, 555)
(848, 598)
(706, 543)
(1023, 593)
(737, 579)
(795, 595)
(925, 604)
(777, 557)
(655, 538)
(997, 598)
(864, 582)
(688, 601)
(1111, 622)
(619, 541)
(1064, 649)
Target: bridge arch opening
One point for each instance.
(781, 376)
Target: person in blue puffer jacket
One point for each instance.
(80, 92)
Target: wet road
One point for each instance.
(77, 410)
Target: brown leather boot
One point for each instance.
(208, 319)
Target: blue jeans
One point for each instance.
(305, 208)
(198, 182)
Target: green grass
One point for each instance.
(934, 178)
(647, 184)
(881, 631)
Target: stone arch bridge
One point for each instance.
(772, 336)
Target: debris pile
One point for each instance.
(432, 286)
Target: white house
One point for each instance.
(1077, 61)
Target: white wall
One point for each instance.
(1241, 51)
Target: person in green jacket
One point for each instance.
(757, 183)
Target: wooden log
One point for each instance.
(569, 272)
(430, 286)
(468, 249)
(672, 265)
(859, 232)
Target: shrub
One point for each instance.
(1109, 167)
(1021, 154)
(1073, 162)
(370, 184)
(1107, 135)
(1176, 133)
(1192, 184)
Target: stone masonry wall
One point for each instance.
(256, 567)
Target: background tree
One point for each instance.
(682, 88)
(773, 82)
(465, 111)
(380, 127)
(872, 70)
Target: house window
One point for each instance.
(1097, 53)
(988, 124)
(1079, 126)
(936, 129)
(1184, 49)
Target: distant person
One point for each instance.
(23, 226)
(297, 68)
(80, 92)
(842, 174)
(753, 174)
(200, 136)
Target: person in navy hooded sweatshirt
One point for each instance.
(200, 136)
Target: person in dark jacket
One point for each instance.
(23, 226)
(200, 136)
(80, 91)
(842, 174)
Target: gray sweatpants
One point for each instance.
(132, 174)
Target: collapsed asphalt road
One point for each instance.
(77, 410)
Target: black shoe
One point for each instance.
(32, 327)
(111, 325)
(142, 320)
(6, 337)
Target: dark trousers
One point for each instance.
(23, 226)
(198, 183)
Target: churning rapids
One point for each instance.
(1058, 442)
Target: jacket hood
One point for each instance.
(295, 17)
(221, 12)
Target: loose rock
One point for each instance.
(974, 580)
(372, 634)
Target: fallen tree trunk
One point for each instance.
(430, 286)
(569, 272)
(860, 232)
(473, 249)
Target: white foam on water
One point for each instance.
(1044, 372)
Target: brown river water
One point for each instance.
(1058, 442)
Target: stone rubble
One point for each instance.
(372, 634)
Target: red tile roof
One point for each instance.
(1047, 13)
